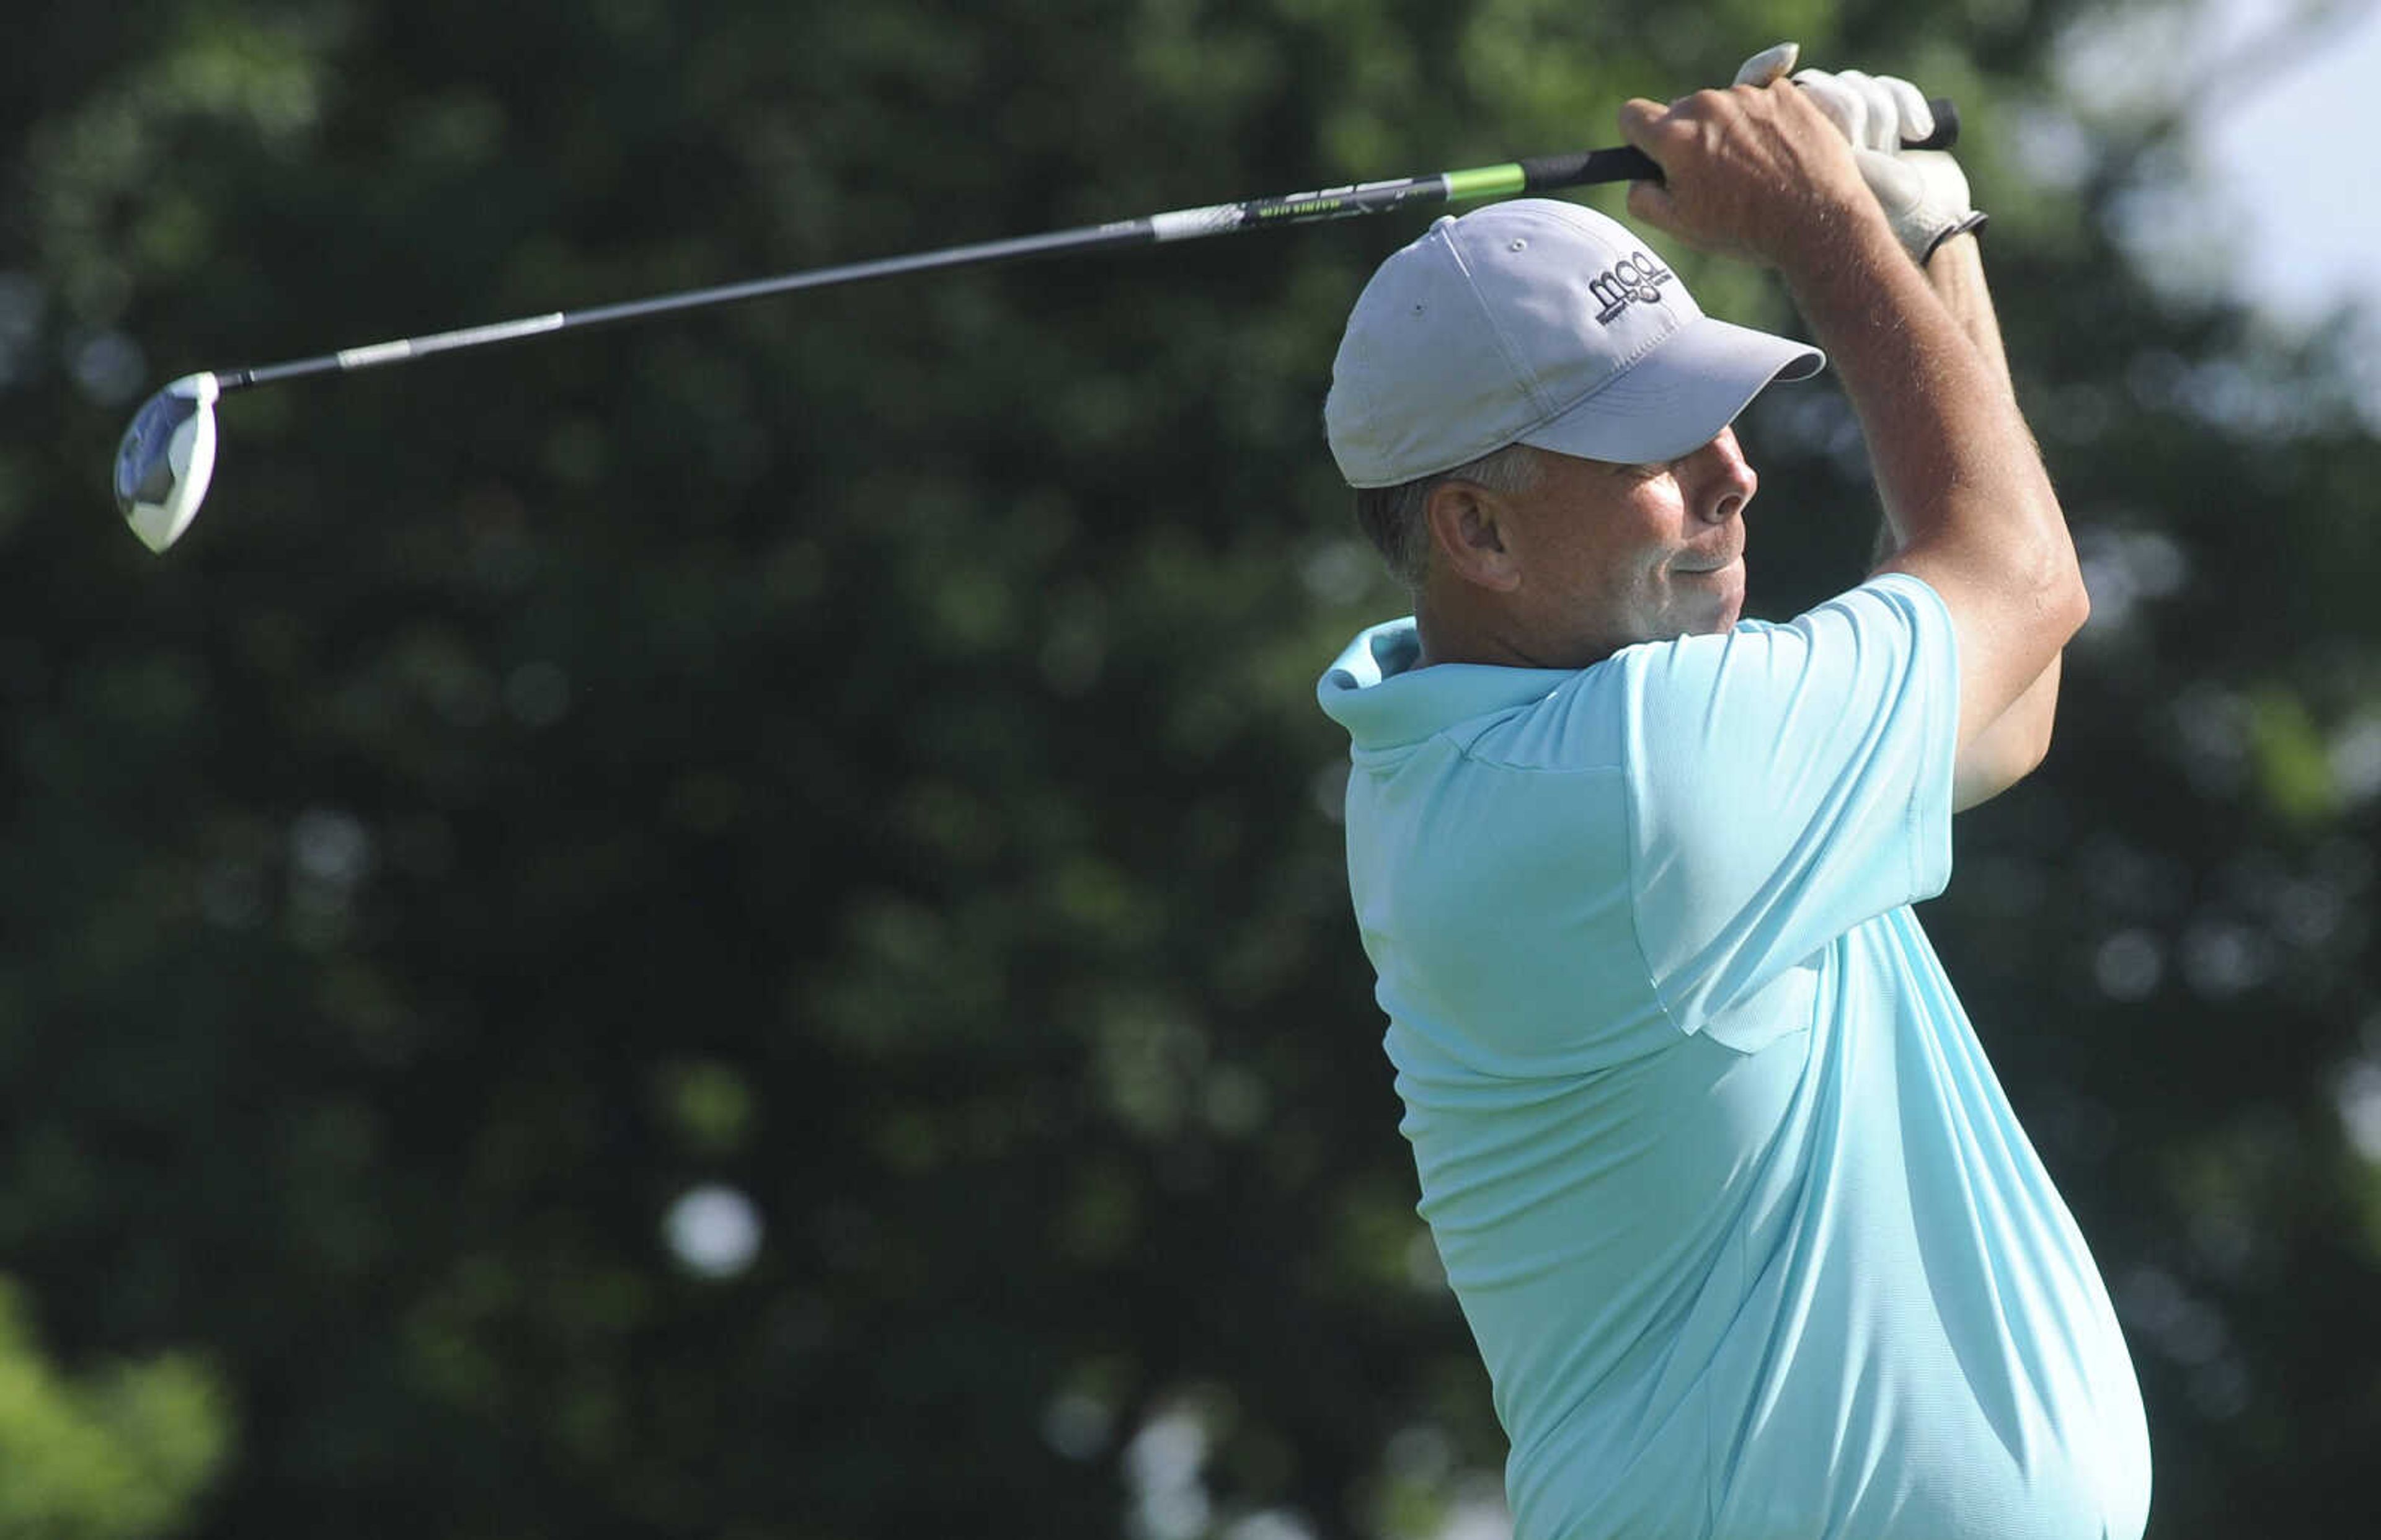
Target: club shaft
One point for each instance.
(1541, 173)
(1301, 208)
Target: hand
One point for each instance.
(1750, 172)
(1924, 192)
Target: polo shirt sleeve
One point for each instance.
(1785, 784)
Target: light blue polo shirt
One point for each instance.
(1747, 1234)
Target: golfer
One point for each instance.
(1748, 1237)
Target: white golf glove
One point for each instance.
(1924, 192)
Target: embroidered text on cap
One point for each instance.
(1635, 276)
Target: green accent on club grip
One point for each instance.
(1485, 181)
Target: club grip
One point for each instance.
(1587, 167)
(1627, 164)
(1947, 126)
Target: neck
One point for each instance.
(1465, 632)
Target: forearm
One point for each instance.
(1955, 466)
(2011, 748)
(1968, 504)
(1955, 273)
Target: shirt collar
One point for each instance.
(1375, 690)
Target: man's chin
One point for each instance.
(1731, 610)
(1717, 600)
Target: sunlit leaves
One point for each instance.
(120, 1453)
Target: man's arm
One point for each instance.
(1762, 173)
(2011, 748)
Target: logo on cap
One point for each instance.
(1634, 277)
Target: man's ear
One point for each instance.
(1471, 530)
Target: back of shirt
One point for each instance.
(1737, 1213)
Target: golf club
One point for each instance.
(167, 454)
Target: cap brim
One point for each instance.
(1677, 396)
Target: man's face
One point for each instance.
(1611, 555)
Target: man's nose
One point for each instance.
(1719, 480)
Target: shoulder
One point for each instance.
(1578, 723)
(1889, 618)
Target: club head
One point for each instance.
(166, 455)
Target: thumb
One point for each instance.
(1766, 67)
(1899, 186)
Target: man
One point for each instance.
(1748, 1237)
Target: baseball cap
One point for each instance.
(1542, 323)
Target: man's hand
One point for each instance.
(1755, 172)
(1924, 192)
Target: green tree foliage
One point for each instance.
(847, 766)
(118, 1456)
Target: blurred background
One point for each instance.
(736, 928)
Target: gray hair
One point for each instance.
(1394, 517)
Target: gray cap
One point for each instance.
(1541, 323)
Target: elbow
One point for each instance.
(2025, 757)
(2028, 754)
(2013, 749)
(2033, 750)
(2065, 604)
(2076, 600)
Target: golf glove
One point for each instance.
(1924, 192)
